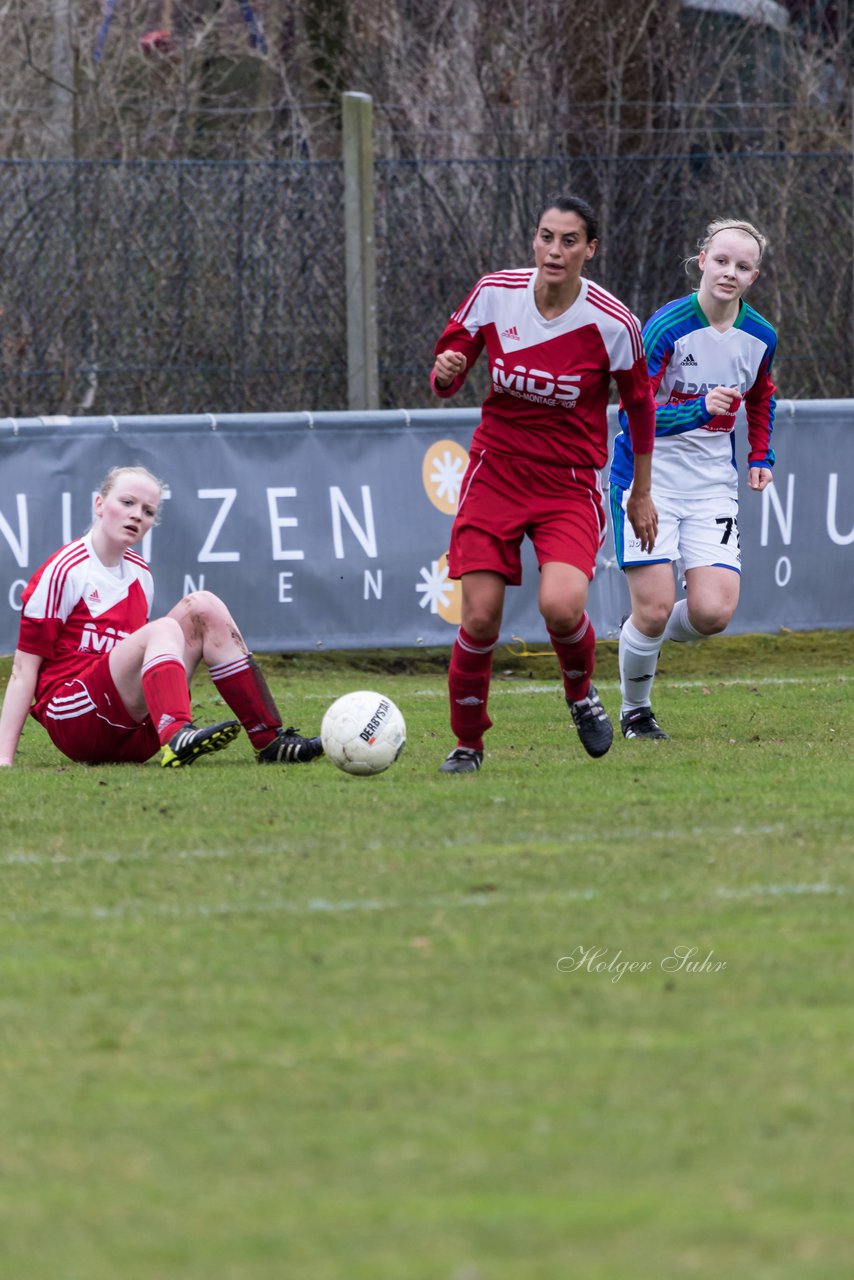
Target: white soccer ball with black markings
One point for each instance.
(363, 733)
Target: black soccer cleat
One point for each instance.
(189, 743)
(289, 747)
(462, 760)
(591, 720)
(641, 723)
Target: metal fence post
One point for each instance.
(362, 370)
(63, 135)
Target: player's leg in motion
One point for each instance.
(712, 596)
(149, 674)
(212, 636)
(652, 590)
(562, 601)
(470, 669)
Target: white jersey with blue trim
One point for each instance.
(686, 357)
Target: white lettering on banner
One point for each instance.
(373, 584)
(366, 537)
(783, 571)
(66, 518)
(841, 539)
(784, 519)
(145, 546)
(206, 555)
(277, 523)
(325, 519)
(20, 545)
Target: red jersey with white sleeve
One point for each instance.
(76, 609)
(550, 379)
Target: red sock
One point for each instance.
(577, 657)
(468, 687)
(242, 686)
(164, 687)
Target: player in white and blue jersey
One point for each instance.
(706, 353)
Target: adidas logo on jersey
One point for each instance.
(512, 332)
(93, 596)
(689, 360)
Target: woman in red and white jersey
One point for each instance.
(109, 685)
(554, 340)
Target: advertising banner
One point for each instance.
(330, 531)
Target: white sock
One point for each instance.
(638, 660)
(678, 627)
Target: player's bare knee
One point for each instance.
(710, 621)
(201, 601)
(168, 633)
(481, 623)
(563, 624)
(652, 617)
(562, 617)
(206, 609)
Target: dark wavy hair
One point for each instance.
(573, 204)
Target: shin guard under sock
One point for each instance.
(576, 654)
(166, 693)
(638, 661)
(241, 685)
(469, 674)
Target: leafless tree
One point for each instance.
(665, 115)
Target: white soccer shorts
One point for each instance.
(700, 532)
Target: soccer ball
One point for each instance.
(363, 733)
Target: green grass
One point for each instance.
(280, 1022)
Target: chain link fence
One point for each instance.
(182, 287)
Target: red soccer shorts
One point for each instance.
(87, 720)
(504, 499)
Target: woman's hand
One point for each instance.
(722, 400)
(449, 365)
(640, 508)
(759, 478)
(643, 518)
(16, 703)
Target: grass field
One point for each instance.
(562, 1018)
